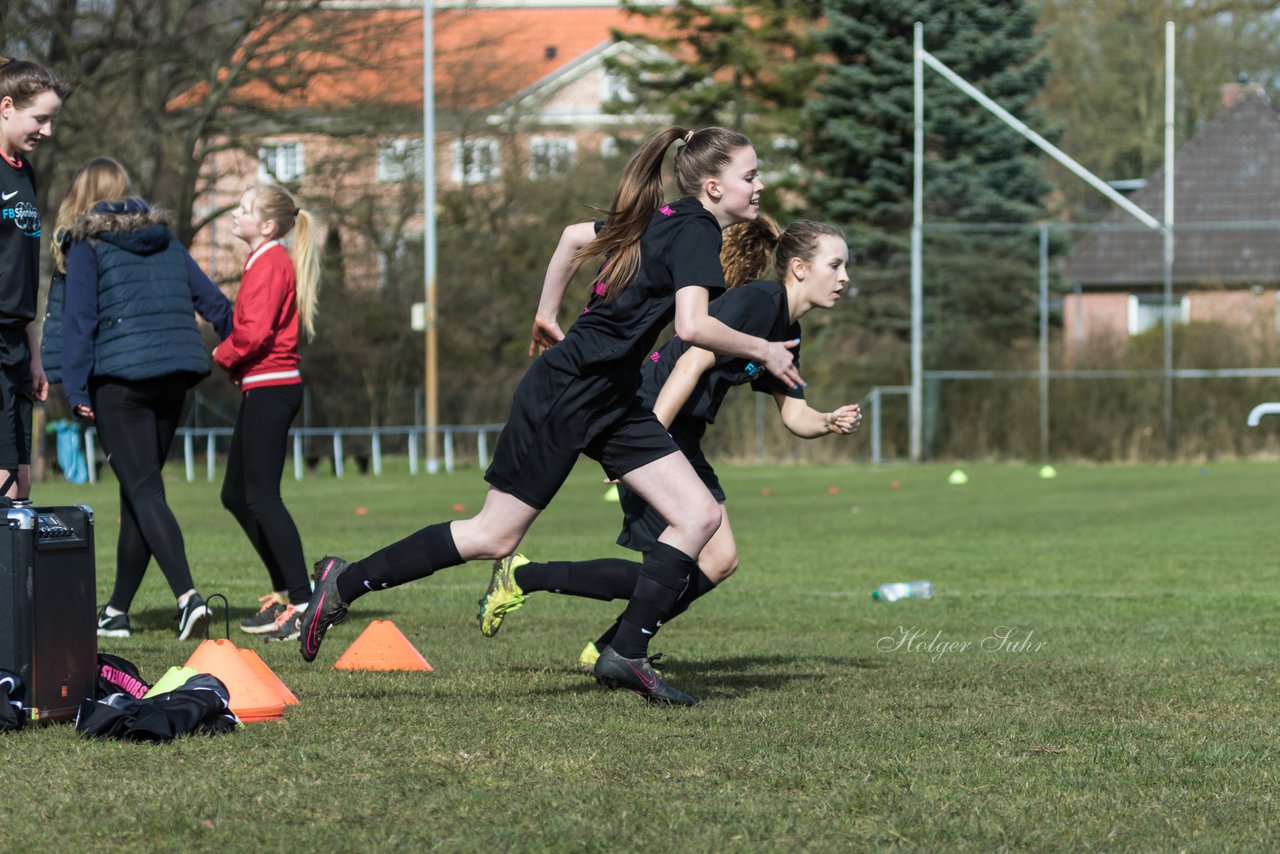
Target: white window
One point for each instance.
(609, 147)
(616, 88)
(550, 156)
(399, 160)
(475, 161)
(1146, 311)
(281, 162)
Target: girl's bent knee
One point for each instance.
(717, 570)
(700, 526)
(475, 543)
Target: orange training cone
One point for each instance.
(268, 676)
(381, 646)
(251, 699)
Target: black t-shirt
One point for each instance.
(757, 308)
(19, 244)
(19, 259)
(680, 248)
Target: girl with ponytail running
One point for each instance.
(685, 386)
(661, 261)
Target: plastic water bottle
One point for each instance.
(903, 590)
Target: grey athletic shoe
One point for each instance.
(265, 619)
(614, 671)
(286, 627)
(326, 609)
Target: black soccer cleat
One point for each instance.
(327, 608)
(614, 671)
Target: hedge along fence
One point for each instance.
(1113, 413)
(1099, 418)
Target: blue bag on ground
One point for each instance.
(70, 451)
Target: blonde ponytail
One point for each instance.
(306, 266)
(275, 203)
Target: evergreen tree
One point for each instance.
(858, 146)
(744, 64)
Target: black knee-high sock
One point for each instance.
(416, 556)
(699, 585)
(665, 575)
(604, 578)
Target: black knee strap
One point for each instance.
(668, 566)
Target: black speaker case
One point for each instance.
(48, 628)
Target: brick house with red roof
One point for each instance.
(517, 86)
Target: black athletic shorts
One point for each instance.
(15, 415)
(556, 416)
(641, 524)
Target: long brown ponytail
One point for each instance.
(704, 153)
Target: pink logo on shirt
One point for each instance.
(666, 210)
(653, 357)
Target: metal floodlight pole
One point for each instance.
(1168, 236)
(916, 399)
(1044, 341)
(431, 402)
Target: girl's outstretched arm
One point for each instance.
(808, 423)
(546, 326)
(681, 382)
(695, 326)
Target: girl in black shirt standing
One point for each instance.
(661, 260)
(30, 98)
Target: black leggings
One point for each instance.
(137, 421)
(251, 490)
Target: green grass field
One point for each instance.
(1097, 671)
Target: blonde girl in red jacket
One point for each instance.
(276, 302)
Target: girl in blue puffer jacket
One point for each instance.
(130, 350)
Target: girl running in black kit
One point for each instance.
(685, 386)
(579, 395)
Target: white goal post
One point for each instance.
(922, 58)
